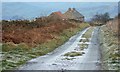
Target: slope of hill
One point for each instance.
(24, 40)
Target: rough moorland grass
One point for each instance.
(73, 54)
(17, 54)
(109, 48)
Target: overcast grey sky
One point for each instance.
(31, 10)
(60, 0)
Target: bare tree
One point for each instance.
(100, 18)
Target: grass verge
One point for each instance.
(110, 50)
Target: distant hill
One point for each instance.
(30, 10)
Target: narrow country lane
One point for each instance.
(56, 59)
(91, 60)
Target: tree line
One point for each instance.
(100, 19)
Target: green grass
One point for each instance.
(73, 54)
(88, 33)
(83, 46)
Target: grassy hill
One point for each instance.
(24, 40)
